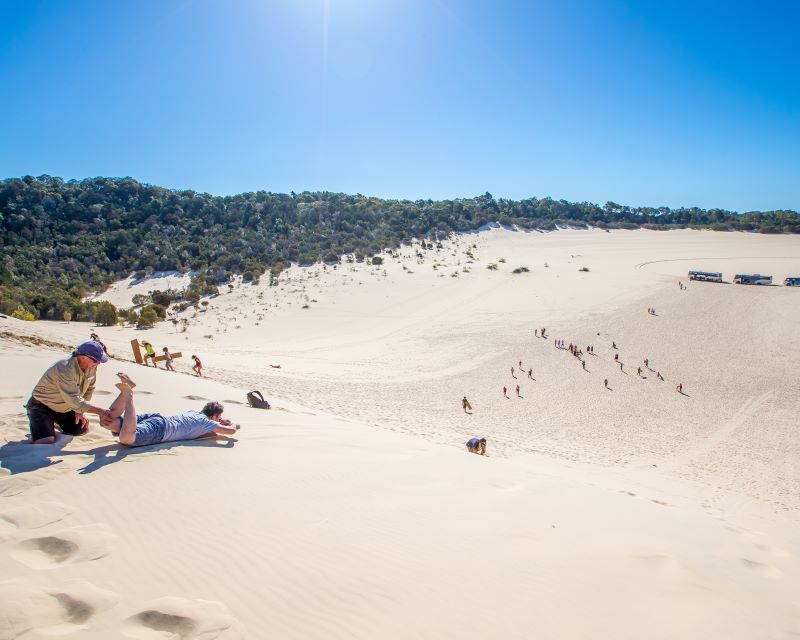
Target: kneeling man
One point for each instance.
(62, 395)
(151, 428)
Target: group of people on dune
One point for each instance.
(62, 399)
(150, 354)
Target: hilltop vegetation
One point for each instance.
(62, 239)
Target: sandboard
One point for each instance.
(163, 358)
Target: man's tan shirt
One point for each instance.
(64, 387)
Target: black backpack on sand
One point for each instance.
(256, 400)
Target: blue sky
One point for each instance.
(643, 103)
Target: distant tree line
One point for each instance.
(61, 239)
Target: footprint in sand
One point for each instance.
(232, 402)
(77, 544)
(194, 398)
(659, 561)
(11, 397)
(29, 516)
(50, 610)
(765, 570)
(179, 617)
(100, 392)
(15, 485)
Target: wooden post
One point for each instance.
(137, 352)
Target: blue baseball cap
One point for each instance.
(92, 349)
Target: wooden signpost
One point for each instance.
(137, 352)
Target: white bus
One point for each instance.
(755, 278)
(705, 276)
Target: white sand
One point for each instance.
(351, 509)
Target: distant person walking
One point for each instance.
(198, 366)
(530, 373)
(518, 391)
(168, 359)
(605, 382)
(149, 353)
(505, 392)
(466, 405)
(512, 373)
(96, 338)
(679, 388)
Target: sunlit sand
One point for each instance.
(352, 509)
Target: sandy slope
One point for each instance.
(625, 513)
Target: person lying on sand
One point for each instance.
(477, 445)
(151, 428)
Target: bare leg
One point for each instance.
(127, 434)
(117, 407)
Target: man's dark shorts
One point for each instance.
(43, 420)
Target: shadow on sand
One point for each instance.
(21, 457)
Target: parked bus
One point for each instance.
(705, 276)
(755, 278)
(792, 281)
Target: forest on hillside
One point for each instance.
(60, 239)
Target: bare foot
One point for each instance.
(126, 379)
(124, 389)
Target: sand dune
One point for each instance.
(351, 510)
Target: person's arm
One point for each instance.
(71, 393)
(92, 377)
(88, 396)
(225, 431)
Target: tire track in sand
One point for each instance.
(722, 433)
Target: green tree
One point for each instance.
(105, 314)
(147, 318)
